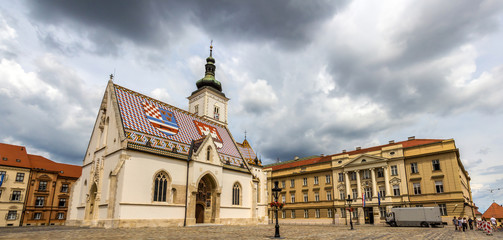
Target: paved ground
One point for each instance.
(242, 232)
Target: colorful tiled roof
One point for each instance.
(66, 170)
(248, 153)
(14, 156)
(314, 160)
(176, 130)
(495, 210)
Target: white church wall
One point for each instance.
(154, 211)
(227, 209)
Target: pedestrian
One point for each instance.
(465, 225)
(455, 223)
(493, 222)
(470, 223)
(460, 223)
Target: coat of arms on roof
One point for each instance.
(162, 119)
(205, 129)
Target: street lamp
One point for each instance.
(275, 192)
(349, 200)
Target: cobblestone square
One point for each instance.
(243, 232)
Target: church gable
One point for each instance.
(159, 126)
(364, 159)
(205, 150)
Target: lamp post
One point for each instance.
(275, 192)
(349, 200)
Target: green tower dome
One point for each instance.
(209, 77)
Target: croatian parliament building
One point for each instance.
(412, 173)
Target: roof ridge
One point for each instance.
(169, 105)
(292, 160)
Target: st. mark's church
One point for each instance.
(149, 163)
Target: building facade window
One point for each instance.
(368, 194)
(342, 195)
(329, 213)
(341, 177)
(316, 182)
(283, 199)
(306, 213)
(283, 214)
(236, 194)
(39, 201)
(64, 188)
(436, 165)
(366, 174)
(317, 213)
(305, 197)
(16, 196)
(394, 170)
(355, 193)
(343, 212)
(37, 216)
(382, 211)
(382, 192)
(61, 216)
(329, 196)
(292, 214)
(304, 182)
(413, 168)
(396, 190)
(19, 177)
(160, 187)
(439, 186)
(353, 176)
(327, 178)
(196, 109)
(380, 172)
(0, 193)
(62, 202)
(355, 212)
(316, 197)
(283, 184)
(443, 209)
(292, 183)
(292, 198)
(216, 112)
(417, 188)
(11, 215)
(42, 186)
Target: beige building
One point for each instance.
(14, 176)
(140, 168)
(416, 172)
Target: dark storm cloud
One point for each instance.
(156, 23)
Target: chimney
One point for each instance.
(412, 138)
(392, 141)
(344, 151)
(358, 148)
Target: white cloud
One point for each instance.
(257, 97)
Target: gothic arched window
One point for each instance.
(160, 187)
(208, 154)
(236, 194)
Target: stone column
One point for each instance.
(348, 185)
(374, 183)
(386, 181)
(358, 184)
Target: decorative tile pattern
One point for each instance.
(139, 129)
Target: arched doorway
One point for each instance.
(205, 211)
(91, 201)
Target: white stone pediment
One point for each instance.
(201, 155)
(364, 159)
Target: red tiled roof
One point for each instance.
(405, 144)
(494, 210)
(247, 152)
(14, 156)
(301, 163)
(65, 170)
(477, 212)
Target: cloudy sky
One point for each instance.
(304, 77)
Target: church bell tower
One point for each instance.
(208, 101)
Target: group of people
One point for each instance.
(462, 223)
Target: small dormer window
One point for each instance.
(363, 160)
(216, 113)
(392, 153)
(196, 109)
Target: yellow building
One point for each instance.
(14, 174)
(416, 172)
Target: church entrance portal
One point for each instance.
(91, 202)
(205, 200)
